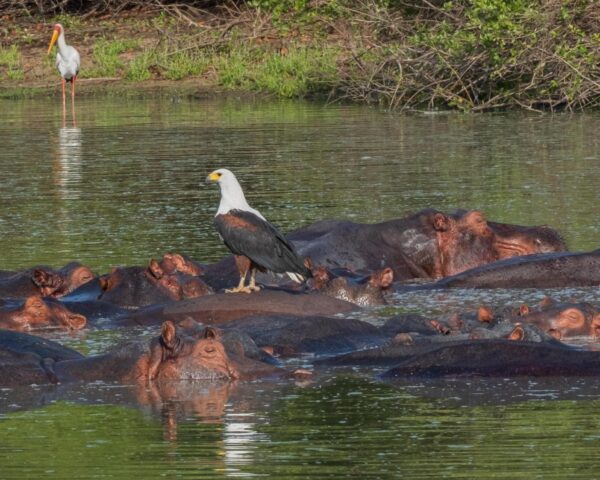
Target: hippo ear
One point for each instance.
(546, 302)
(178, 260)
(40, 277)
(168, 333)
(210, 333)
(485, 315)
(308, 263)
(523, 310)
(383, 278)
(106, 284)
(76, 322)
(155, 270)
(441, 222)
(517, 334)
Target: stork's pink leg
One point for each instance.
(73, 101)
(64, 98)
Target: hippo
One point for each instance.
(292, 335)
(133, 287)
(412, 334)
(44, 281)
(26, 359)
(361, 290)
(39, 313)
(561, 320)
(427, 244)
(170, 356)
(499, 357)
(179, 263)
(544, 270)
(221, 307)
(516, 240)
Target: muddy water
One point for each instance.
(126, 183)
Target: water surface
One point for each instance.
(126, 184)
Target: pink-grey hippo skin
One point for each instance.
(27, 359)
(364, 291)
(428, 244)
(560, 319)
(549, 270)
(414, 335)
(499, 357)
(172, 356)
(134, 287)
(293, 335)
(36, 313)
(223, 307)
(44, 281)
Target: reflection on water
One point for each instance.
(67, 173)
(343, 426)
(127, 184)
(134, 172)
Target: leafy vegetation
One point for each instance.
(107, 57)
(470, 55)
(10, 59)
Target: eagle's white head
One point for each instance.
(232, 195)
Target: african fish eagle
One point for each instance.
(256, 244)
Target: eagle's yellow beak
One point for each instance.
(213, 177)
(53, 40)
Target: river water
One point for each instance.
(126, 183)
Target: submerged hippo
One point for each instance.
(561, 319)
(39, 313)
(44, 281)
(171, 356)
(221, 307)
(428, 244)
(290, 335)
(133, 287)
(414, 335)
(499, 358)
(361, 290)
(549, 270)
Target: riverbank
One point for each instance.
(476, 55)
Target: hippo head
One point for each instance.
(512, 241)
(176, 284)
(570, 321)
(175, 357)
(76, 275)
(37, 313)
(174, 262)
(60, 282)
(464, 241)
(565, 320)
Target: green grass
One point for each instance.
(11, 59)
(138, 68)
(299, 71)
(106, 57)
(184, 64)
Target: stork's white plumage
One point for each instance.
(67, 60)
